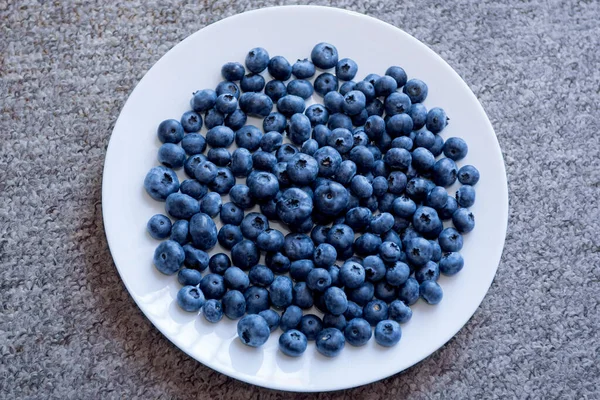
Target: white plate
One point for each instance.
(194, 64)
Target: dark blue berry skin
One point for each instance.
(418, 251)
(203, 100)
(418, 113)
(329, 160)
(271, 141)
(190, 299)
(232, 71)
(310, 325)
(280, 68)
(180, 232)
(299, 128)
(330, 342)
(253, 330)
(416, 89)
(213, 286)
(354, 102)
(346, 69)
(241, 162)
(444, 172)
(380, 186)
(272, 318)
(219, 136)
(437, 198)
(360, 137)
(436, 253)
(424, 138)
(345, 172)
(203, 231)
(277, 262)
(341, 237)
(368, 89)
(352, 275)
(319, 234)
(431, 292)
(324, 55)
(363, 158)
(213, 118)
(353, 202)
(263, 185)
(386, 292)
(191, 121)
(270, 240)
(376, 152)
(264, 161)
(205, 172)
(212, 311)
(375, 127)
(409, 292)
(455, 148)
(333, 102)
(334, 271)
(318, 279)
(463, 220)
(170, 131)
(219, 156)
(438, 146)
(339, 120)
(334, 321)
(335, 300)
(325, 83)
(248, 137)
(399, 312)
(427, 222)
(399, 124)
(398, 158)
(375, 311)
(290, 319)
(289, 105)
(331, 198)
(362, 294)
(397, 274)
(256, 104)
(280, 172)
(310, 147)
(388, 333)
(227, 87)
(398, 74)
(367, 244)
(468, 175)
(465, 196)
(257, 299)
(231, 214)
(260, 275)
(397, 103)
(195, 258)
(391, 236)
(189, 277)
(245, 255)
(418, 188)
(300, 269)
(300, 88)
(229, 236)
(275, 90)
(371, 203)
(357, 332)
(280, 292)
(381, 223)
(324, 255)
(385, 85)
(181, 206)
(257, 60)
(358, 218)
(295, 205)
(346, 87)
(169, 257)
(226, 103)
(361, 187)
(390, 252)
(302, 295)
(374, 107)
(451, 263)
(286, 152)
(252, 83)
(303, 69)
(159, 226)
(353, 311)
(436, 120)
(211, 204)
(422, 159)
(253, 225)
(269, 207)
(219, 263)
(160, 182)
(429, 271)
(234, 304)
(403, 142)
(317, 114)
(293, 343)
(193, 143)
(298, 246)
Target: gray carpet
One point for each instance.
(68, 328)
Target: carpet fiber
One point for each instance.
(68, 328)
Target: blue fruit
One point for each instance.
(451, 263)
(335, 300)
(468, 175)
(431, 292)
(220, 156)
(317, 114)
(275, 90)
(444, 172)
(223, 182)
(271, 141)
(213, 118)
(169, 257)
(436, 120)
(229, 236)
(397, 103)
(191, 121)
(195, 258)
(213, 310)
(340, 120)
(256, 104)
(330, 342)
(358, 218)
(455, 148)
(352, 274)
(450, 240)
(232, 71)
(399, 124)
(245, 254)
(368, 90)
(324, 55)
(387, 333)
(325, 83)
(310, 325)
(280, 68)
(211, 204)
(361, 187)
(159, 226)
(397, 273)
(226, 87)
(260, 275)
(318, 279)
(302, 295)
(203, 231)
(367, 244)
(299, 128)
(463, 220)
(170, 131)
(292, 343)
(333, 102)
(416, 89)
(418, 251)
(300, 88)
(234, 304)
(325, 255)
(422, 159)
(160, 182)
(263, 185)
(272, 318)
(331, 198)
(226, 103)
(300, 269)
(213, 286)
(231, 214)
(303, 69)
(354, 102)
(253, 225)
(290, 319)
(357, 332)
(180, 232)
(257, 60)
(362, 294)
(409, 291)
(399, 312)
(190, 298)
(429, 271)
(310, 147)
(182, 206)
(252, 329)
(390, 252)
(294, 206)
(346, 87)
(346, 69)
(385, 85)
(381, 223)
(280, 292)
(257, 299)
(289, 105)
(270, 240)
(465, 196)
(398, 74)
(203, 100)
(353, 311)
(219, 263)
(426, 222)
(334, 321)
(375, 311)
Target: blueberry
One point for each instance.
(232, 71)
(252, 329)
(191, 121)
(398, 158)
(160, 182)
(190, 298)
(426, 222)
(229, 236)
(340, 120)
(418, 189)
(195, 258)
(438, 145)
(397, 274)
(290, 319)
(317, 114)
(205, 172)
(403, 142)
(211, 204)
(289, 105)
(388, 333)
(213, 286)
(330, 342)
(334, 321)
(398, 74)
(385, 85)
(226, 87)
(231, 214)
(341, 237)
(429, 271)
(391, 236)
(219, 263)
(310, 325)
(298, 246)
(270, 240)
(299, 128)
(367, 244)
(422, 159)
(212, 310)
(271, 141)
(324, 55)
(362, 294)
(260, 275)
(269, 207)
(280, 68)
(286, 152)
(360, 138)
(193, 143)
(436, 120)
(234, 304)
(346, 87)
(358, 218)
(436, 252)
(272, 318)
(310, 147)
(465, 196)
(381, 223)
(169, 257)
(375, 311)
(397, 103)
(431, 292)
(407, 235)
(468, 175)
(409, 291)
(385, 292)
(418, 251)
(346, 69)
(303, 69)
(390, 252)
(354, 102)
(275, 90)
(451, 263)
(223, 182)
(245, 254)
(240, 195)
(437, 198)
(319, 234)
(352, 274)
(159, 226)
(257, 60)
(357, 332)
(368, 90)
(375, 127)
(416, 89)
(399, 124)
(418, 113)
(463, 220)
(318, 279)
(280, 292)
(333, 102)
(455, 148)
(256, 104)
(325, 83)
(182, 206)
(257, 299)
(325, 255)
(263, 185)
(226, 103)
(399, 312)
(329, 160)
(294, 205)
(219, 156)
(170, 131)
(345, 172)
(253, 225)
(300, 269)
(292, 343)
(376, 152)
(203, 100)
(249, 83)
(330, 198)
(213, 118)
(334, 271)
(302, 295)
(361, 187)
(353, 311)
(335, 301)
(371, 203)
(300, 88)
(444, 172)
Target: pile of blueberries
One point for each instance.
(359, 179)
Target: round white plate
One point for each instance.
(194, 64)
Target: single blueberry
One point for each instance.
(213, 310)
(168, 257)
(253, 225)
(409, 292)
(431, 292)
(190, 298)
(275, 89)
(213, 286)
(468, 175)
(385, 85)
(161, 182)
(463, 220)
(300, 88)
(399, 312)
(203, 100)
(352, 275)
(310, 325)
(353, 311)
(387, 333)
(429, 271)
(289, 105)
(398, 74)
(191, 121)
(436, 120)
(257, 60)
(465, 196)
(303, 69)
(256, 104)
(245, 255)
(451, 263)
(324, 55)
(232, 71)
(226, 103)
(293, 343)
(346, 69)
(213, 118)
(290, 319)
(375, 311)
(280, 292)
(302, 296)
(325, 83)
(227, 87)
(234, 304)
(272, 318)
(330, 342)
(340, 120)
(159, 226)
(257, 299)
(346, 87)
(416, 89)
(170, 131)
(357, 332)
(219, 263)
(335, 300)
(252, 329)
(261, 275)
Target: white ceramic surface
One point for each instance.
(194, 64)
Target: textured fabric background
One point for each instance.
(68, 328)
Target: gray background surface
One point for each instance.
(68, 328)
